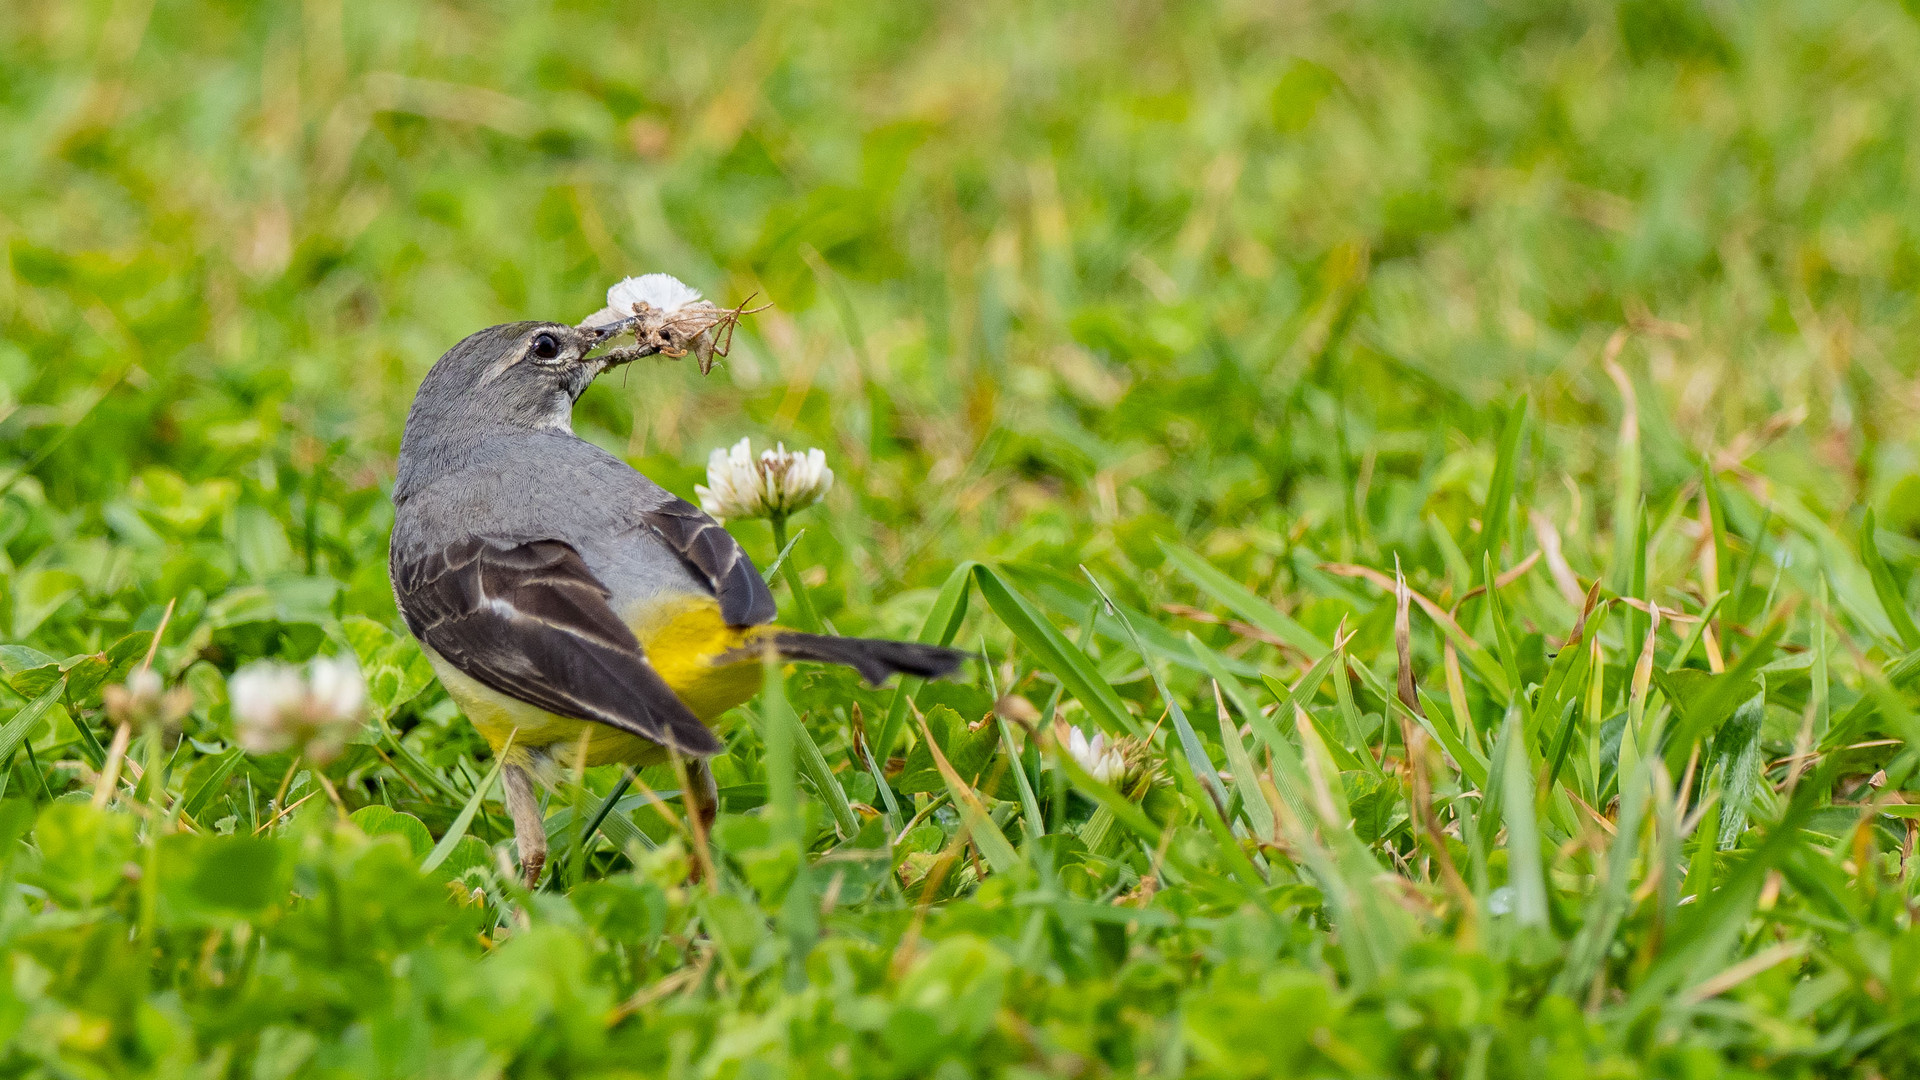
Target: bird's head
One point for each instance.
(521, 375)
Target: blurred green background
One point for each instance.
(1050, 282)
(1045, 278)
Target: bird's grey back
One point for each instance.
(548, 485)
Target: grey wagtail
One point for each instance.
(568, 603)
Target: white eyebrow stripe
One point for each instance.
(500, 366)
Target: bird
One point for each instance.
(569, 604)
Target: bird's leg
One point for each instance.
(529, 828)
(703, 794)
(701, 798)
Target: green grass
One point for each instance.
(1226, 311)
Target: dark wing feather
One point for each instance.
(531, 621)
(713, 554)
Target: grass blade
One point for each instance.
(776, 732)
(986, 835)
(1067, 597)
(1608, 906)
(1056, 654)
(1892, 599)
(821, 776)
(1236, 598)
(1196, 754)
(1245, 777)
(1714, 704)
(1500, 486)
(197, 798)
(1509, 652)
(16, 729)
(941, 626)
(1716, 925)
(1029, 804)
(460, 823)
(1524, 870)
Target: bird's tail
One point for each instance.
(873, 658)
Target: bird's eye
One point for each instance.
(546, 346)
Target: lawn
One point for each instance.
(1463, 455)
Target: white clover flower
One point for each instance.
(143, 701)
(1102, 759)
(776, 484)
(662, 292)
(259, 693)
(337, 686)
(278, 707)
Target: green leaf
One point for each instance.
(236, 876)
(84, 851)
(15, 659)
(37, 594)
(378, 820)
(28, 671)
(395, 669)
(85, 675)
(971, 752)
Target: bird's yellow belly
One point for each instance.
(682, 640)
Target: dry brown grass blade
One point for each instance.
(1548, 537)
(1245, 630)
(664, 988)
(1646, 608)
(1598, 818)
(1434, 611)
(1629, 401)
(1403, 642)
(1742, 971)
(1419, 767)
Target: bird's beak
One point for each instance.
(597, 336)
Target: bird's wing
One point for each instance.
(713, 555)
(528, 619)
